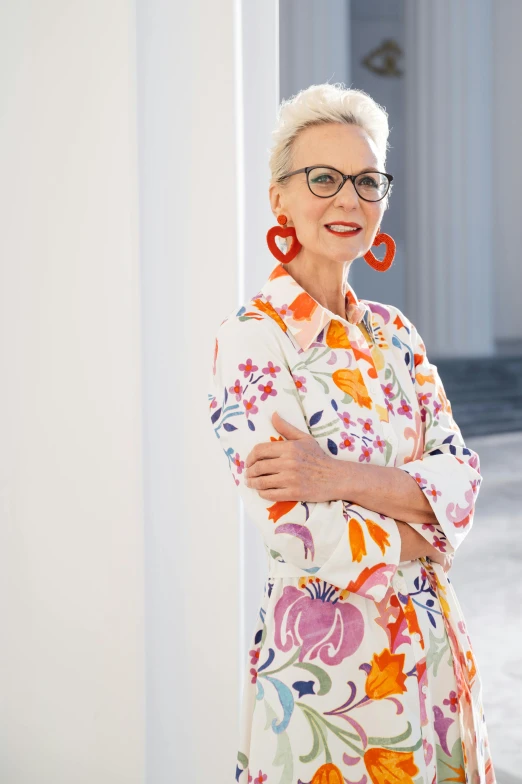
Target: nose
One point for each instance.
(347, 196)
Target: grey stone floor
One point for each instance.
(487, 579)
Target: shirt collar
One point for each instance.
(301, 313)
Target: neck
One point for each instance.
(323, 279)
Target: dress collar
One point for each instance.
(301, 313)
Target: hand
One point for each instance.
(296, 469)
(444, 559)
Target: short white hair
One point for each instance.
(320, 104)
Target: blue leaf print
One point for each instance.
(332, 446)
(287, 703)
(315, 418)
(251, 425)
(257, 638)
(226, 397)
(215, 416)
(396, 341)
(229, 427)
(334, 405)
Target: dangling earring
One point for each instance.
(288, 231)
(385, 264)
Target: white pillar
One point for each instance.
(207, 78)
(448, 176)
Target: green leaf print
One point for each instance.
(437, 646)
(325, 682)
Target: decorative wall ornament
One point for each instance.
(389, 53)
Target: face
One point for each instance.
(349, 149)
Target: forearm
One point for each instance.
(388, 491)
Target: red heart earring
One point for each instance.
(381, 266)
(277, 231)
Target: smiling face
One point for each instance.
(349, 149)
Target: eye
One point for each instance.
(322, 178)
(367, 180)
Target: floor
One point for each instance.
(487, 580)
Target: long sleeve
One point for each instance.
(344, 544)
(448, 472)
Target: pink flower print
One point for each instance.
(428, 527)
(419, 479)
(366, 425)
(236, 480)
(267, 389)
(300, 382)
(436, 408)
(405, 409)
(254, 655)
(261, 778)
(379, 443)
(271, 370)
(250, 408)
(324, 630)
(239, 464)
(387, 389)
(283, 311)
(439, 544)
(236, 389)
(433, 492)
(253, 673)
(346, 419)
(213, 404)
(347, 442)
(389, 406)
(249, 778)
(452, 701)
(365, 454)
(475, 484)
(248, 367)
(423, 398)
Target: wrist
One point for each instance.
(346, 480)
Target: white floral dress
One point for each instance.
(360, 666)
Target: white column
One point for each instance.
(314, 43)
(449, 175)
(207, 79)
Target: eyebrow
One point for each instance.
(329, 166)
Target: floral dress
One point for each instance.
(360, 667)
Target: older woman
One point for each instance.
(342, 444)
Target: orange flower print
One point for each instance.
(379, 535)
(328, 774)
(269, 309)
(303, 307)
(336, 336)
(386, 676)
(279, 509)
(390, 767)
(352, 382)
(239, 464)
(357, 543)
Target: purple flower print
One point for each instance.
(405, 409)
(261, 778)
(270, 370)
(250, 407)
(439, 544)
(236, 389)
(365, 454)
(379, 444)
(347, 442)
(389, 406)
(254, 655)
(267, 389)
(346, 419)
(253, 673)
(366, 425)
(239, 464)
(322, 627)
(428, 750)
(433, 492)
(436, 408)
(248, 367)
(300, 382)
(387, 389)
(424, 398)
(283, 311)
(452, 701)
(428, 527)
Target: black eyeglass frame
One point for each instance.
(345, 177)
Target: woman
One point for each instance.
(343, 447)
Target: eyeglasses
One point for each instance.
(325, 181)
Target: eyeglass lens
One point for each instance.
(323, 181)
